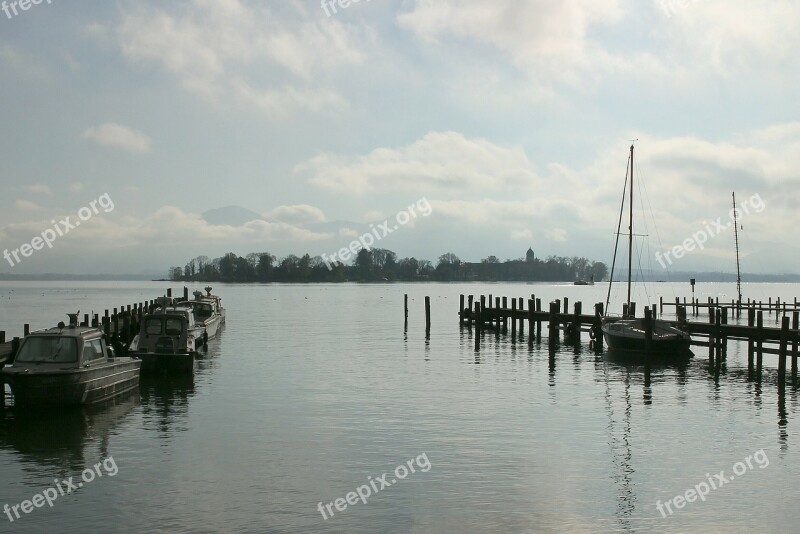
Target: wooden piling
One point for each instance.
(795, 325)
(552, 324)
(521, 319)
(427, 316)
(514, 320)
(531, 306)
(405, 308)
(538, 321)
(711, 339)
(751, 321)
(759, 343)
(648, 343)
(505, 317)
(576, 322)
(461, 309)
(782, 350)
(26, 329)
(478, 324)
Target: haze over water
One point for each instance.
(311, 390)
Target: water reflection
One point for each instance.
(59, 440)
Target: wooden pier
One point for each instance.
(494, 313)
(120, 326)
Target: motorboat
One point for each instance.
(168, 339)
(69, 365)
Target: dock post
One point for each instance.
(531, 331)
(478, 324)
(576, 322)
(498, 318)
(513, 320)
(505, 317)
(661, 305)
(597, 327)
(538, 321)
(795, 320)
(770, 305)
(405, 308)
(521, 318)
(718, 343)
(14, 349)
(711, 338)
(625, 310)
(648, 344)
(725, 337)
(552, 325)
(185, 293)
(427, 316)
(655, 315)
(85, 319)
(751, 321)
(759, 343)
(566, 305)
(487, 310)
(469, 307)
(782, 350)
(461, 309)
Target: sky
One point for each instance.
(174, 129)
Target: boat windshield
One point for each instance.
(204, 311)
(55, 349)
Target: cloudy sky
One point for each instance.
(511, 118)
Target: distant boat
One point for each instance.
(627, 334)
(584, 282)
(69, 365)
(207, 311)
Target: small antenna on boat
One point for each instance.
(73, 319)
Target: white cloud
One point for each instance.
(76, 187)
(116, 135)
(39, 189)
(26, 205)
(214, 48)
(440, 160)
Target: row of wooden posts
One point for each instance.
(495, 313)
(695, 305)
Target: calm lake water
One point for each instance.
(313, 391)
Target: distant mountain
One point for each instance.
(230, 216)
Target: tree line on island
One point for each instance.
(383, 265)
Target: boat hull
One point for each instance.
(627, 336)
(94, 384)
(153, 362)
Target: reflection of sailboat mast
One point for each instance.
(626, 498)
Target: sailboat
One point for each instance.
(627, 334)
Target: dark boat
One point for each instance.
(68, 365)
(168, 339)
(627, 334)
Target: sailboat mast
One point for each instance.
(736, 238)
(630, 235)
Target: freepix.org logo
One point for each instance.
(59, 229)
(10, 8)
